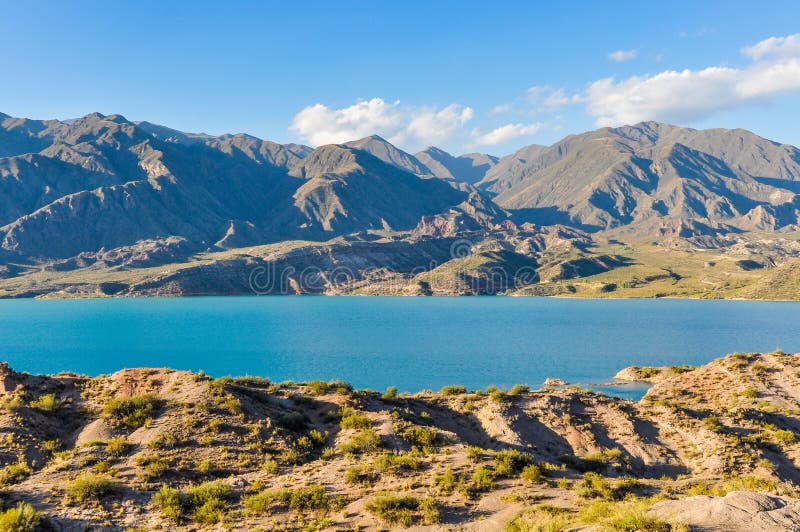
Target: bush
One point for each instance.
(750, 392)
(533, 473)
(117, 447)
(391, 393)
(168, 501)
(310, 498)
(510, 461)
(482, 479)
(785, 436)
(453, 390)
(90, 486)
(163, 441)
(318, 387)
(365, 441)
(46, 403)
(352, 419)
(712, 423)
(263, 500)
(21, 518)
(132, 412)
(422, 436)
(208, 491)
(210, 512)
(394, 510)
(542, 518)
(446, 481)
(359, 475)
(519, 389)
(394, 463)
(13, 473)
(154, 466)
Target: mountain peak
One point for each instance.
(389, 153)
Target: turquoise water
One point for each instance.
(412, 343)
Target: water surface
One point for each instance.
(411, 343)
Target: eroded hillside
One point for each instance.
(162, 449)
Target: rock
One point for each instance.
(554, 382)
(738, 510)
(649, 373)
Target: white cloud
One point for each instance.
(506, 133)
(689, 95)
(432, 127)
(320, 124)
(623, 55)
(774, 46)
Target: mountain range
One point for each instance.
(73, 191)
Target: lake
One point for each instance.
(411, 343)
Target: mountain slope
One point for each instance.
(470, 168)
(637, 175)
(388, 153)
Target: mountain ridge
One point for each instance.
(71, 193)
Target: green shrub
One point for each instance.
(785, 436)
(352, 419)
(117, 447)
(13, 473)
(712, 423)
(270, 466)
(509, 462)
(394, 510)
(132, 412)
(168, 501)
(421, 436)
(210, 512)
(208, 491)
(309, 498)
(262, 501)
(46, 403)
(519, 389)
(629, 515)
(394, 463)
(533, 473)
(750, 392)
(154, 466)
(542, 518)
(359, 475)
(21, 518)
(446, 481)
(391, 393)
(318, 387)
(365, 441)
(90, 486)
(163, 440)
(482, 479)
(453, 390)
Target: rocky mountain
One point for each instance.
(643, 175)
(470, 168)
(105, 194)
(103, 182)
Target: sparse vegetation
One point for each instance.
(90, 486)
(132, 412)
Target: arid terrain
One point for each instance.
(151, 449)
(103, 206)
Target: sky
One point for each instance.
(465, 76)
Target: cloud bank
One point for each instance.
(418, 126)
(690, 95)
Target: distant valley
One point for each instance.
(103, 206)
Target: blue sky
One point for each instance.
(466, 76)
